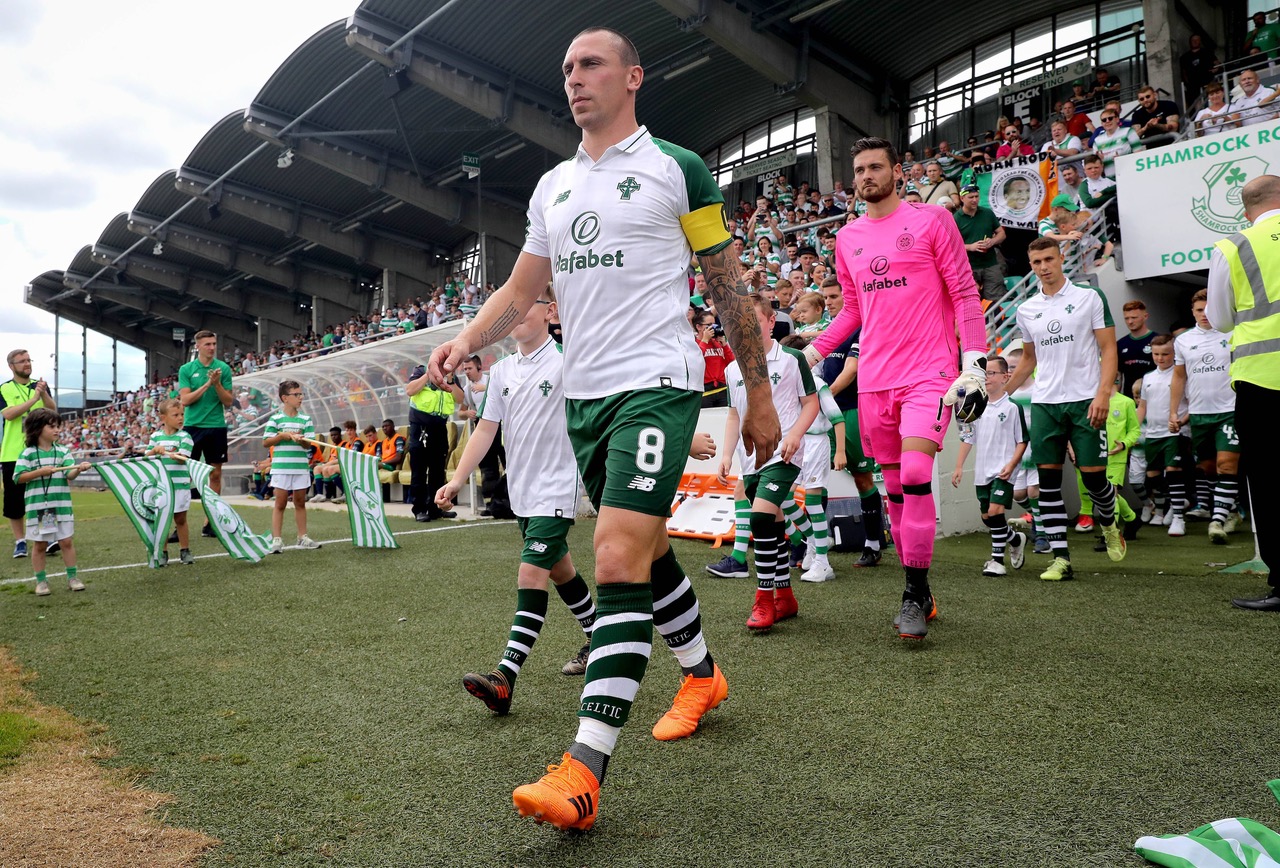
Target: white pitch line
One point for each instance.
(88, 570)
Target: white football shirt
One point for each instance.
(620, 233)
(1061, 328)
(526, 395)
(1206, 354)
(1157, 391)
(473, 398)
(791, 379)
(995, 435)
(1249, 110)
(829, 412)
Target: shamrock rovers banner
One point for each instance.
(146, 495)
(364, 501)
(1019, 189)
(1176, 201)
(229, 527)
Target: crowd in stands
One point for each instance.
(453, 299)
(123, 426)
(788, 234)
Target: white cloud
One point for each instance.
(18, 19)
(98, 102)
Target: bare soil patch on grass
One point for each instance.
(59, 806)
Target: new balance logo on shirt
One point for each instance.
(643, 483)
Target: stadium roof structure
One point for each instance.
(346, 164)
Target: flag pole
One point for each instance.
(319, 443)
(135, 458)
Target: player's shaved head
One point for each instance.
(624, 46)
(1260, 195)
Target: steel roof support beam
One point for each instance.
(227, 252)
(144, 269)
(87, 315)
(235, 330)
(486, 96)
(307, 223)
(500, 220)
(777, 60)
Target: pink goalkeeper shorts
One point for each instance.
(888, 417)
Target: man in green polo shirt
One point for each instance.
(18, 397)
(982, 233)
(204, 388)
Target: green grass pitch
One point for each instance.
(307, 710)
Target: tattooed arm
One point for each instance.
(728, 290)
(496, 317)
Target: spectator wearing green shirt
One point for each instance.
(18, 397)
(1265, 37)
(204, 388)
(982, 233)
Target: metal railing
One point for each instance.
(1001, 324)
(936, 126)
(1268, 75)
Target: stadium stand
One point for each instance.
(335, 211)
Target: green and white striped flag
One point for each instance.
(145, 493)
(364, 501)
(228, 526)
(1231, 843)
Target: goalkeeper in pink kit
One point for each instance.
(907, 283)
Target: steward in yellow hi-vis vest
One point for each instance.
(429, 412)
(18, 397)
(1244, 299)
(1253, 262)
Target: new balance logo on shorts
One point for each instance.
(643, 483)
(772, 486)
(539, 547)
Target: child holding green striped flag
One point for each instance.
(286, 434)
(175, 444)
(46, 468)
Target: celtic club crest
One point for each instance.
(1222, 209)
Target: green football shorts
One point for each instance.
(632, 447)
(997, 491)
(546, 540)
(1054, 425)
(1163, 453)
(858, 461)
(1212, 433)
(773, 483)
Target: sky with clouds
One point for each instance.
(102, 99)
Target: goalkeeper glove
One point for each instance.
(968, 394)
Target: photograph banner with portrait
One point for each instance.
(1018, 190)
